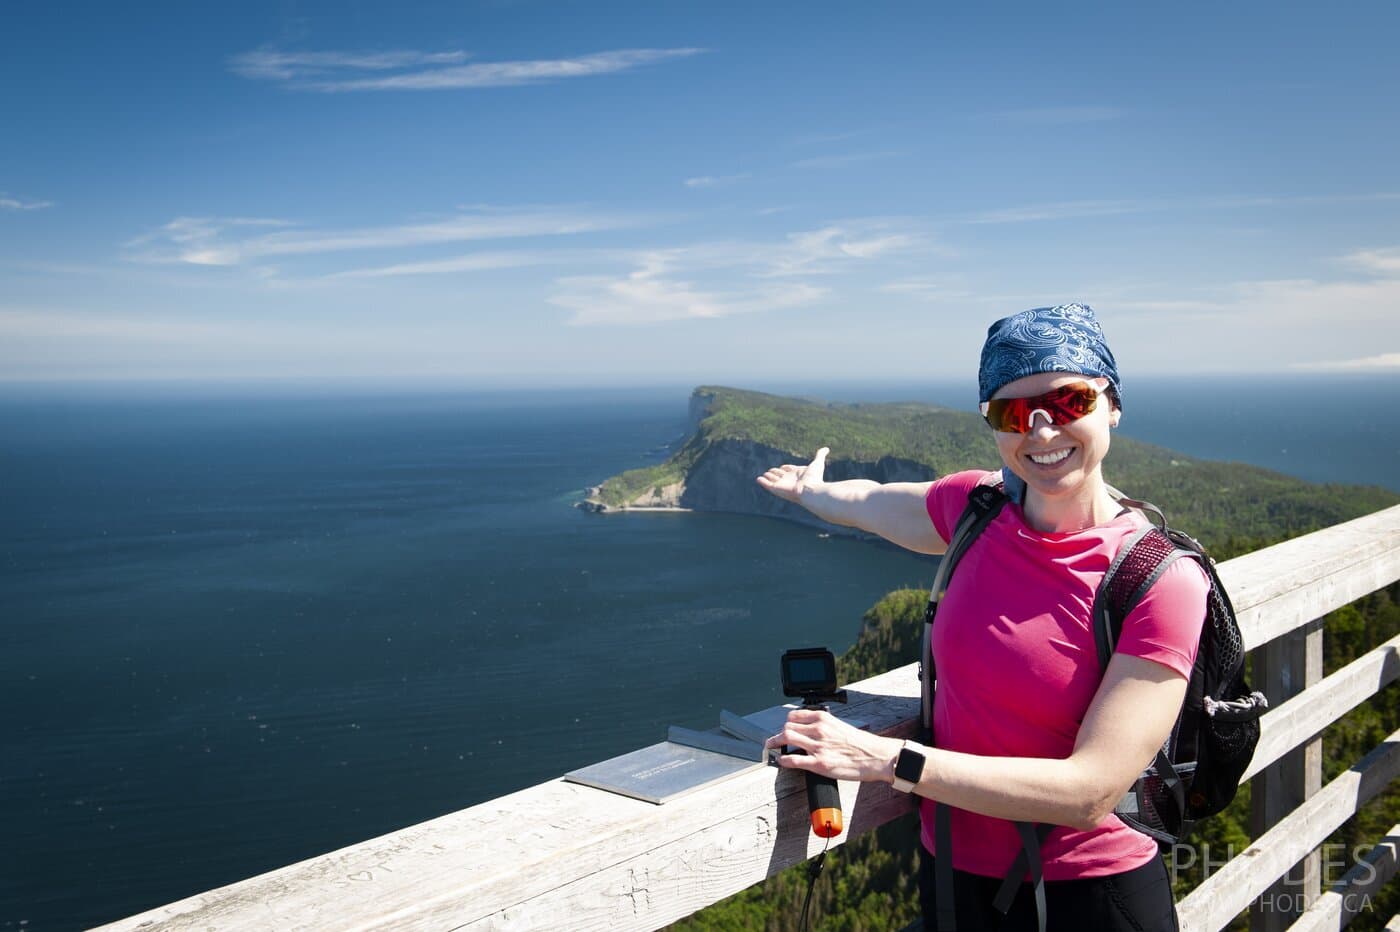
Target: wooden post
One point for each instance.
(1283, 668)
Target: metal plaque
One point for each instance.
(661, 772)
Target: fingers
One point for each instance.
(803, 732)
(778, 476)
(789, 481)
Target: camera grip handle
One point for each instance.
(824, 803)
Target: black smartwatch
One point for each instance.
(908, 769)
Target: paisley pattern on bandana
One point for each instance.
(1064, 338)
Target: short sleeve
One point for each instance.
(947, 498)
(1166, 625)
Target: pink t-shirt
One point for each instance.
(1017, 666)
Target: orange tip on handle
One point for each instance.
(827, 823)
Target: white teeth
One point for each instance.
(1050, 459)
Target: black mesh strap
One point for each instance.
(943, 868)
(1139, 563)
(1104, 633)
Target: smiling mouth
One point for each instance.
(1050, 459)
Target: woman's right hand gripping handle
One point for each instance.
(893, 510)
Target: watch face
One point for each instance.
(909, 766)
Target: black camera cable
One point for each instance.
(814, 869)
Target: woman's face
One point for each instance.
(1058, 461)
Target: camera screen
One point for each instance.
(808, 670)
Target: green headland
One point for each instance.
(736, 434)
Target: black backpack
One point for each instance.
(1197, 771)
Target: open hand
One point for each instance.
(789, 482)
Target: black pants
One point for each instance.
(1139, 900)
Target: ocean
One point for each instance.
(245, 628)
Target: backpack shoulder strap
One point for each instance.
(984, 503)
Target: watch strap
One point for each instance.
(908, 768)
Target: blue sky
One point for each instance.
(549, 193)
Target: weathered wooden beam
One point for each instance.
(1284, 668)
(1279, 588)
(1289, 724)
(1244, 877)
(1354, 893)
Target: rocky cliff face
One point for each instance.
(699, 408)
(723, 479)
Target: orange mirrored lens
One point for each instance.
(1062, 405)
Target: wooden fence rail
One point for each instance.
(559, 855)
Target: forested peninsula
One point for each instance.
(735, 435)
(870, 882)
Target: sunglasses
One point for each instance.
(1061, 406)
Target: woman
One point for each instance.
(1028, 728)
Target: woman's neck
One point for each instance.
(1059, 516)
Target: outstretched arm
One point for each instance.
(893, 510)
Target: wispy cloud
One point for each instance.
(1068, 210)
(31, 323)
(226, 241)
(197, 240)
(1062, 211)
(722, 279)
(1366, 363)
(715, 181)
(841, 161)
(272, 65)
(1299, 323)
(813, 252)
(54, 343)
(475, 262)
(1378, 261)
(926, 288)
(333, 72)
(652, 293)
(1289, 303)
(826, 138)
(1059, 116)
(14, 203)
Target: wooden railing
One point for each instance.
(563, 856)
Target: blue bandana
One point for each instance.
(1065, 338)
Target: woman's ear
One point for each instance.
(1114, 416)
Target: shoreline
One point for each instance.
(598, 508)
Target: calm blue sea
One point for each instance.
(243, 629)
